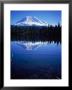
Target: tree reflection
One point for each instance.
(36, 33)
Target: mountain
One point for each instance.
(31, 21)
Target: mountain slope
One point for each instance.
(31, 21)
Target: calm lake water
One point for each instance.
(35, 60)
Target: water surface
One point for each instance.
(35, 60)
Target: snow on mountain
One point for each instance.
(31, 21)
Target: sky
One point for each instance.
(51, 17)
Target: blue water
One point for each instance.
(35, 60)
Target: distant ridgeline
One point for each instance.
(36, 33)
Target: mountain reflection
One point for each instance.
(35, 60)
(29, 45)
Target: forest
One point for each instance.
(36, 33)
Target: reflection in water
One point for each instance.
(34, 45)
(35, 60)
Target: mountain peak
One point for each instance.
(31, 21)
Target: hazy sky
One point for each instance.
(52, 17)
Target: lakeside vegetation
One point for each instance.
(36, 33)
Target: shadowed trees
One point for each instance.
(36, 33)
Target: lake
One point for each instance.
(35, 60)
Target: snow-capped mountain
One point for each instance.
(31, 21)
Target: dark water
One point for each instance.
(35, 60)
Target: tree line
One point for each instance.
(36, 33)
